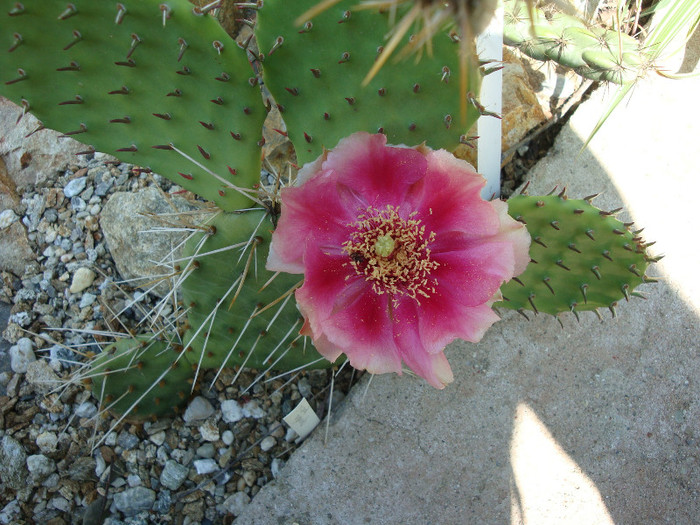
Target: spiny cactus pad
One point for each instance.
(132, 78)
(582, 258)
(142, 377)
(592, 52)
(315, 74)
(260, 329)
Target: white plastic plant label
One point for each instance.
(302, 419)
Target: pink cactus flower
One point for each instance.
(399, 252)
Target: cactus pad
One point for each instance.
(582, 258)
(142, 377)
(592, 52)
(315, 74)
(260, 328)
(132, 78)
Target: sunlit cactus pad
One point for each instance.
(592, 52)
(132, 78)
(315, 73)
(237, 314)
(142, 377)
(582, 258)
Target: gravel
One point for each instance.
(60, 459)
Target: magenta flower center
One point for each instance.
(392, 253)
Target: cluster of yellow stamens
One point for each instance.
(392, 252)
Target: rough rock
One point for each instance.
(173, 474)
(13, 463)
(40, 467)
(15, 251)
(134, 500)
(41, 376)
(32, 160)
(126, 226)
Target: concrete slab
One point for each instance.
(593, 424)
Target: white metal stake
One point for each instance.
(490, 47)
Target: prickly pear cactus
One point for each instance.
(315, 74)
(592, 52)
(582, 258)
(145, 376)
(151, 83)
(239, 313)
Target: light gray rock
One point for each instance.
(173, 474)
(198, 410)
(231, 411)
(267, 443)
(21, 355)
(82, 279)
(40, 467)
(87, 300)
(7, 217)
(137, 250)
(134, 500)
(13, 463)
(205, 466)
(74, 187)
(41, 376)
(86, 409)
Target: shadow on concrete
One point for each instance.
(593, 424)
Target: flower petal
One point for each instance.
(381, 175)
(431, 366)
(341, 307)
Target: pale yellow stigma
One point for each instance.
(391, 252)
(384, 245)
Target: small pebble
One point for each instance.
(198, 409)
(47, 442)
(231, 411)
(267, 443)
(74, 187)
(86, 410)
(7, 217)
(21, 355)
(205, 466)
(209, 431)
(82, 279)
(173, 474)
(227, 437)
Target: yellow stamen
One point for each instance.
(392, 253)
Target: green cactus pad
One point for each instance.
(592, 52)
(142, 377)
(229, 333)
(582, 258)
(315, 75)
(132, 78)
